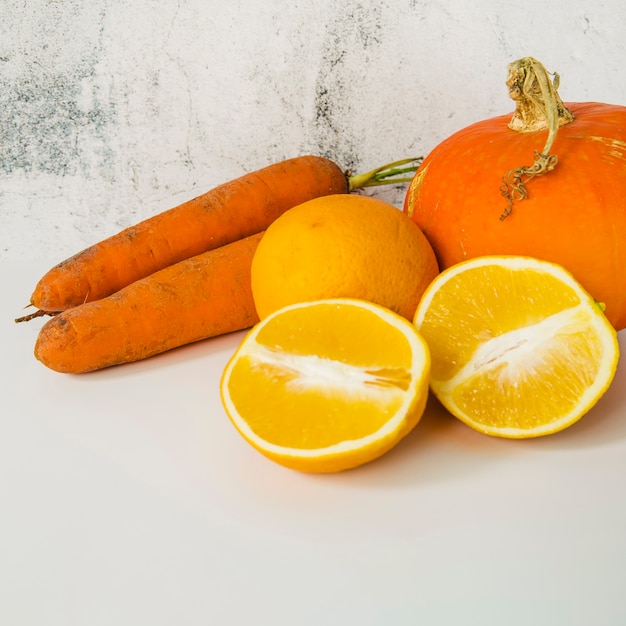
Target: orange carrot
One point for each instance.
(194, 299)
(229, 212)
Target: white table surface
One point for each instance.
(129, 499)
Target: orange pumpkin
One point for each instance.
(473, 195)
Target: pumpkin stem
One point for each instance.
(538, 107)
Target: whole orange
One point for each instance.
(574, 213)
(342, 246)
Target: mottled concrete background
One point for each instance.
(112, 110)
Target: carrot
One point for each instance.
(197, 298)
(232, 211)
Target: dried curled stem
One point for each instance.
(538, 107)
(513, 187)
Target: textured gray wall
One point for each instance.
(112, 110)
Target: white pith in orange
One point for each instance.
(518, 347)
(327, 385)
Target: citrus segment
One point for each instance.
(327, 385)
(518, 347)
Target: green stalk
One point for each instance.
(389, 174)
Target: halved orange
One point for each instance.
(518, 347)
(327, 385)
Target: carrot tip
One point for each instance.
(30, 316)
